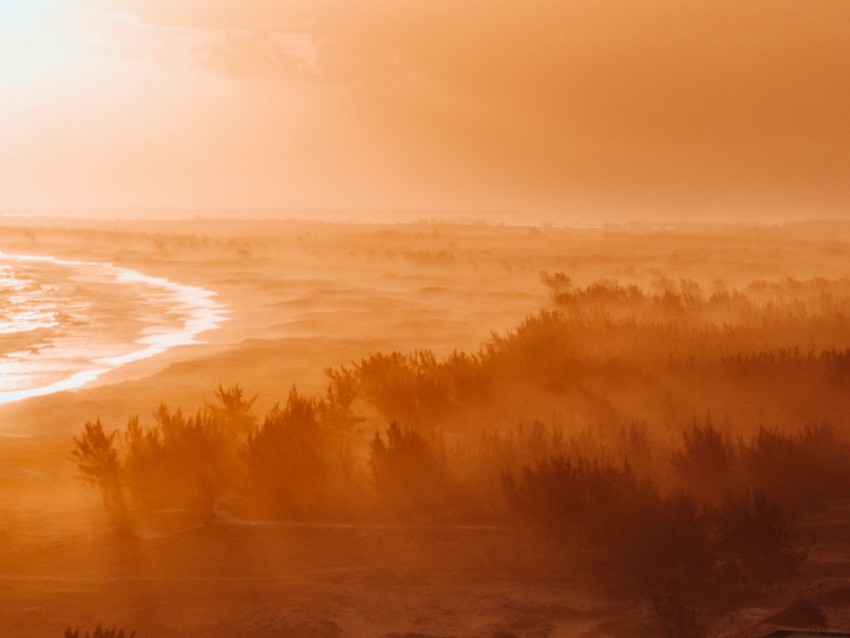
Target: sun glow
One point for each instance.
(37, 39)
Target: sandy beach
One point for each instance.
(298, 294)
(302, 297)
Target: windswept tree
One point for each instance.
(232, 411)
(338, 419)
(707, 461)
(287, 464)
(184, 462)
(411, 474)
(336, 408)
(96, 455)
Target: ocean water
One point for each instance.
(65, 323)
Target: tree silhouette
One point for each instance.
(97, 461)
(287, 461)
(706, 462)
(410, 474)
(99, 632)
(180, 462)
(754, 535)
(232, 411)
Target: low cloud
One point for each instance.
(657, 105)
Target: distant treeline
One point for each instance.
(670, 437)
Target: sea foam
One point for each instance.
(64, 323)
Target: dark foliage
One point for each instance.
(418, 388)
(707, 462)
(287, 466)
(99, 632)
(623, 519)
(411, 476)
(96, 456)
(180, 462)
(753, 541)
(604, 381)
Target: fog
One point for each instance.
(443, 429)
(493, 320)
(568, 113)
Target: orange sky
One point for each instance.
(563, 109)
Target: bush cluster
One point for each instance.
(579, 423)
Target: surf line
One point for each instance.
(199, 311)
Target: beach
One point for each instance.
(302, 297)
(69, 322)
(424, 319)
(294, 293)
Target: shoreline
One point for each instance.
(302, 299)
(198, 313)
(304, 296)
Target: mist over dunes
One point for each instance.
(477, 429)
(424, 319)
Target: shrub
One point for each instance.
(99, 632)
(800, 470)
(411, 476)
(624, 520)
(180, 462)
(96, 456)
(753, 540)
(706, 462)
(289, 463)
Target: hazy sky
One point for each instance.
(565, 109)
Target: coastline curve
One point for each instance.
(191, 310)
